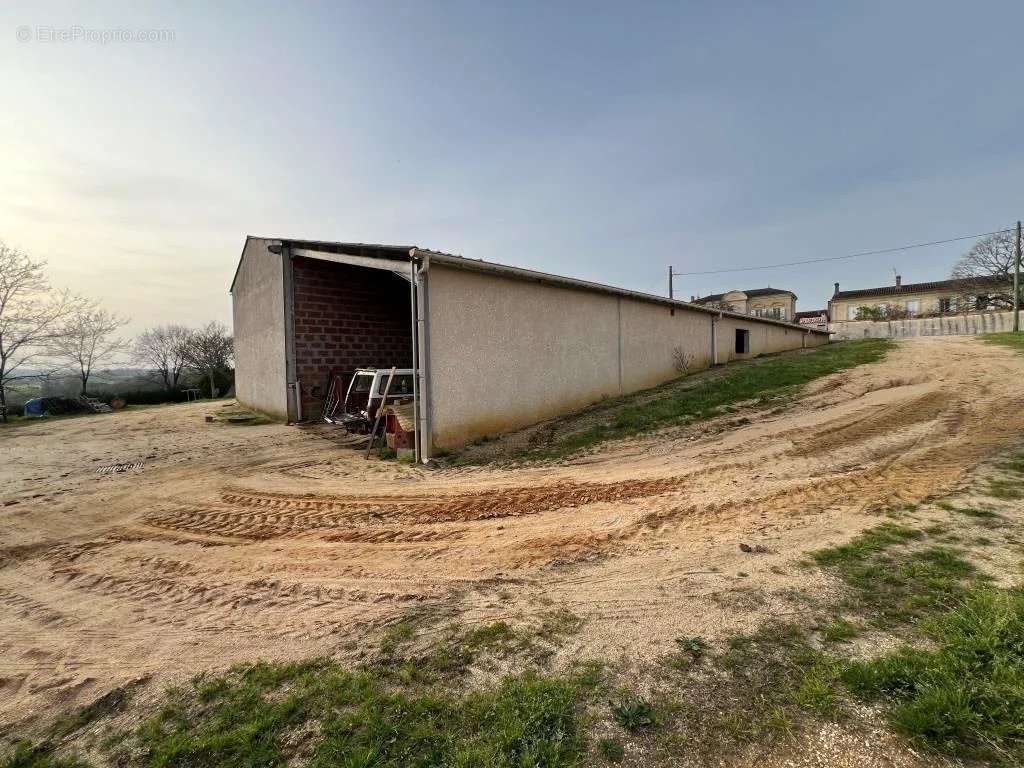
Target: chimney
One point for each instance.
(899, 280)
(692, 297)
(836, 290)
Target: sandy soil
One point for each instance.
(232, 542)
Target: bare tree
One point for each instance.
(163, 350)
(30, 315)
(987, 272)
(87, 338)
(210, 351)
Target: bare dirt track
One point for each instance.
(232, 543)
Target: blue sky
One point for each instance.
(602, 141)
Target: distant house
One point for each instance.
(774, 303)
(941, 297)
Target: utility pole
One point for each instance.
(670, 279)
(1016, 281)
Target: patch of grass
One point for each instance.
(894, 586)
(451, 656)
(869, 543)
(1007, 339)
(611, 750)
(1006, 489)
(496, 637)
(396, 636)
(765, 382)
(634, 714)
(29, 755)
(361, 720)
(1015, 464)
(755, 692)
(977, 512)
(965, 697)
(839, 630)
(590, 675)
(109, 703)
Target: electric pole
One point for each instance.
(1016, 281)
(670, 280)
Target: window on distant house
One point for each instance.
(851, 312)
(913, 307)
(981, 302)
(947, 304)
(742, 341)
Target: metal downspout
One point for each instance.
(415, 359)
(423, 426)
(714, 338)
(291, 385)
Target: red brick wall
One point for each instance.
(346, 318)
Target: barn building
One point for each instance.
(496, 347)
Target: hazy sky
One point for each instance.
(602, 141)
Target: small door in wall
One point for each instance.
(742, 341)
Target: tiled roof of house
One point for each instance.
(809, 313)
(936, 285)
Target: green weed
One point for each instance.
(634, 714)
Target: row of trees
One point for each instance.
(46, 333)
(169, 351)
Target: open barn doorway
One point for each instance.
(346, 317)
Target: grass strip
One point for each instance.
(966, 696)
(766, 380)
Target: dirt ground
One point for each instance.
(232, 543)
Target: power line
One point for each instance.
(848, 256)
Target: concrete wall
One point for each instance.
(346, 317)
(505, 353)
(948, 325)
(258, 309)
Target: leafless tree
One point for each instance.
(163, 350)
(30, 315)
(210, 351)
(87, 338)
(987, 271)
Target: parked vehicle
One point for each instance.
(365, 396)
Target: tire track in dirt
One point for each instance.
(485, 505)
